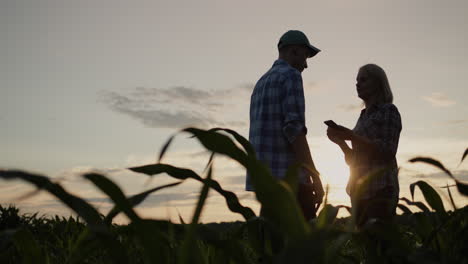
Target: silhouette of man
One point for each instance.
(277, 119)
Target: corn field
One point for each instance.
(426, 232)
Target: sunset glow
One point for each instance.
(102, 85)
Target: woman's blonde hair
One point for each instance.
(384, 93)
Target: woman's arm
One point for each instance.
(343, 133)
(336, 137)
(348, 153)
(363, 142)
(385, 140)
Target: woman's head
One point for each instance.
(372, 85)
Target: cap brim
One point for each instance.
(313, 50)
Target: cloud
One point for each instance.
(164, 119)
(247, 87)
(456, 122)
(151, 200)
(180, 106)
(312, 86)
(439, 100)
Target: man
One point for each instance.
(277, 119)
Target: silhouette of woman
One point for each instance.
(373, 183)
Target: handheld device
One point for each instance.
(331, 124)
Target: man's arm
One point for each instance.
(294, 129)
(301, 149)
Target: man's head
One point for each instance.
(295, 48)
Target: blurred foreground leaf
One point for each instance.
(136, 200)
(430, 195)
(28, 247)
(182, 174)
(80, 206)
(154, 243)
(420, 205)
(464, 155)
(462, 187)
(187, 250)
(433, 162)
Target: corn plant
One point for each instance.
(282, 236)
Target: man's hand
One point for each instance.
(318, 190)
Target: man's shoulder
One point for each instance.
(282, 67)
(282, 70)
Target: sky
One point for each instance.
(101, 85)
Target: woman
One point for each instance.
(373, 184)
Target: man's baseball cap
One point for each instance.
(296, 37)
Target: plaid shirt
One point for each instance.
(381, 124)
(277, 117)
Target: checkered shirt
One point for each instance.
(277, 117)
(381, 124)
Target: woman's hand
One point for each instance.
(331, 134)
(340, 134)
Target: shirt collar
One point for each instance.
(280, 62)
(283, 63)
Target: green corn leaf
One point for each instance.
(453, 218)
(181, 219)
(462, 187)
(187, 251)
(114, 192)
(278, 201)
(327, 215)
(80, 206)
(253, 230)
(451, 197)
(242, 140)
(179, 173)
(136, 200)
(232, 201)
(153, 241)
(464, 155)
(276, 197)
(230, 249)
(201, 200)
(292, 177)
(430, 195)
(323, 217)
(218, 143)
(82, 247)
(210, 160)
(420, 205)
(433, 162)
(164, 148)
(405, 209)
(28, 247)
(175, 172)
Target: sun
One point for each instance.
(333, 169)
